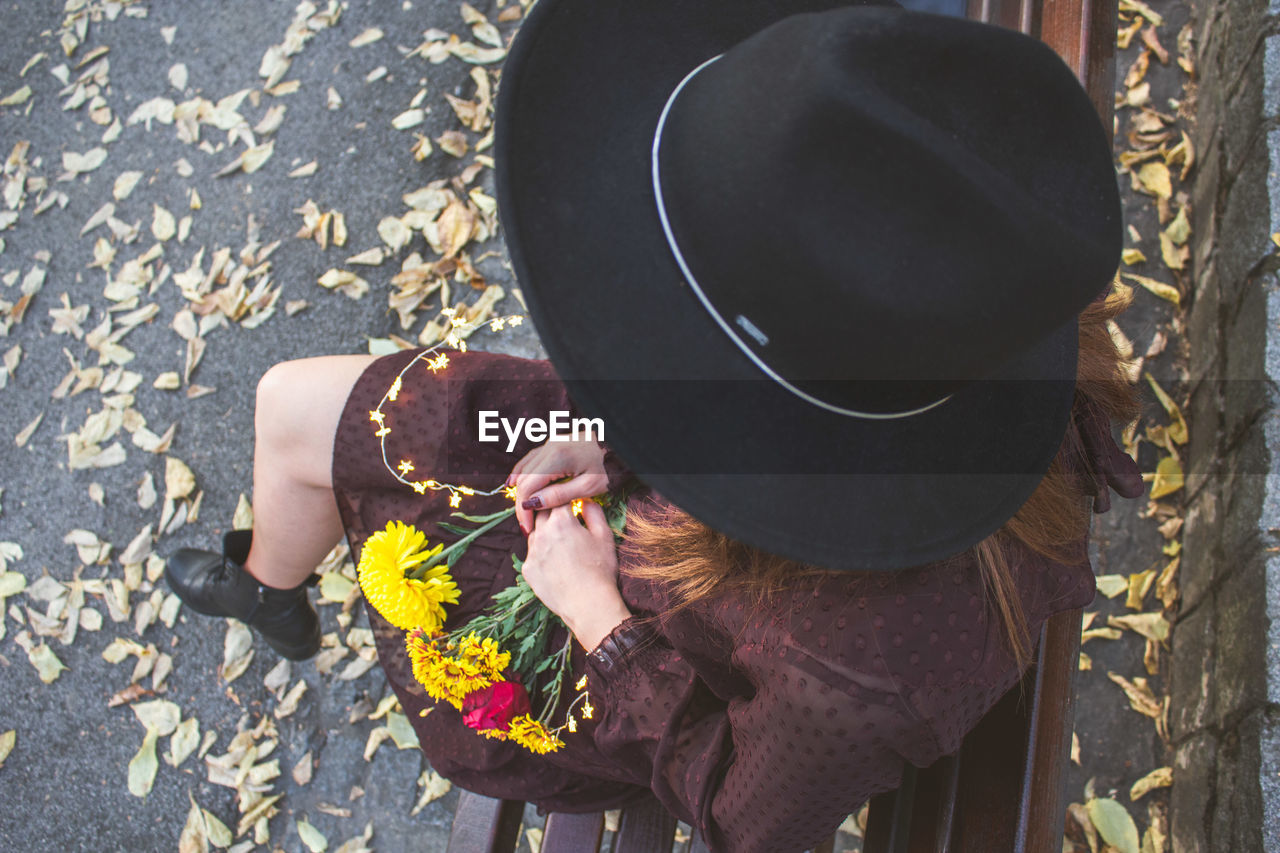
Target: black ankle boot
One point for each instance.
(218, 585)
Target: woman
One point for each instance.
(834, 283)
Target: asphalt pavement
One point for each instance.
(65, 784)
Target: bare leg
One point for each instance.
(295, 516)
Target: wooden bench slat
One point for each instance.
(697, 845)
(1009, 774)
(918, 817)
(485, 825)
(645, 827)
(573, 833)
(992, 761)
(889, 817)
(1052, 718)
(1083, 32)
(935, 800)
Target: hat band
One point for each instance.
(746, 324)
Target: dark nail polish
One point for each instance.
(534, 502)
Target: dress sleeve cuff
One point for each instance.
(615, 469)
(625, 647)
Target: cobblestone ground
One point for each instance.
(162, 160)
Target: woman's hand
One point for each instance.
(581, 461)
(574, 571)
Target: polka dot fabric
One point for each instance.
(762, 729)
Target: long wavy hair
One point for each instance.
(694, 561)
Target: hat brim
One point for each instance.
(578, 103)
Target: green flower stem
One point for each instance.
(461, 545)
(552, 691)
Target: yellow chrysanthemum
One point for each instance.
(422, 652)
(445, 678)
(494, 734)
(405, 602)
(485, 654)
(532, 735)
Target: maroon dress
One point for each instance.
(761, 729)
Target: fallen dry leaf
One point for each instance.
(1153, 626)
(77, 164)
(369, 257)
(452, 142)
(289, 704)
(255, 157)
(1161, 777)
(1159, 288)
(179, 481)
(237, 651)
(1114, 824)
(1153, 179)
(163, 225)
(408, 119)
(193, 838)
(1112, 585)
(125, 182)
(29, 430)
(1142, 9)
(1138, 587)
(344, 281)
(394, 233)
(7, 741)
(19, 96)
(303, 769)
(368, 36)
(1141, 698)
(1102, 633)
(47, 665)
(1177, 428)
(243, 516)
(310, 836)
(434, 786)
(143, 766)
(159, 715)
(1167, 479)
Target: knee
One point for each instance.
(298, 410)
(280, 408)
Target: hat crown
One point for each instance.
(877, 227)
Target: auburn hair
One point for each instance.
(693, 561)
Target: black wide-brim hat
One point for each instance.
(848, 333)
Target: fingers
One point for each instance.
(558, 494)
(522, 465)
(535, 474)
(526, 485)
(597, 521)
(559, 518)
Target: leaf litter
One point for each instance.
(220, 285)
(1155, 151)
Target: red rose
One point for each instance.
(495, 706)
